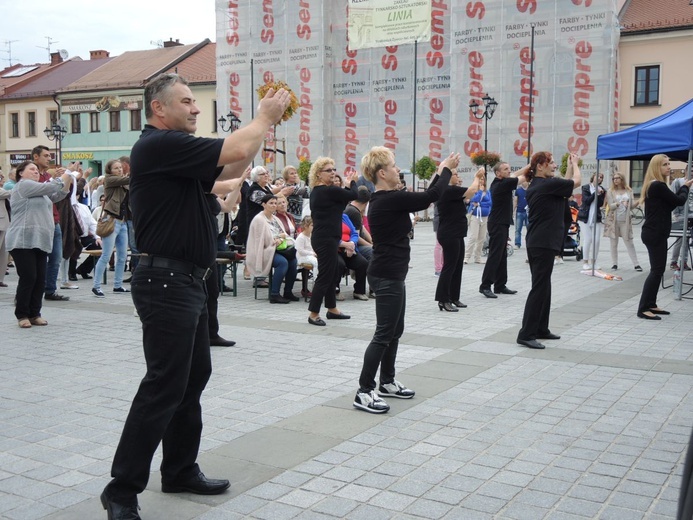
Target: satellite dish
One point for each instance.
(62, 122)
(63, 53)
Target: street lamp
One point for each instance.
(230, 122)
(490, 105)
(56, 132)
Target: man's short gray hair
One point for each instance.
(158, 88)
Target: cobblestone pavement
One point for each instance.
(595, 426)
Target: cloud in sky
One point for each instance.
(79, 26)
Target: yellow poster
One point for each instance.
(384, 23)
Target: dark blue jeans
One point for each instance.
(166, 408)
(54, 259)
(284, 271)
(390, 306)
(520, 222)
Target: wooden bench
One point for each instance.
(305, 270)
(232, 264)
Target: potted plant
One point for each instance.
(564, 164)
(425, 168)
(485, 158)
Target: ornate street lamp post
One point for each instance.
(489, 106)
(230, 122)
(56, 132)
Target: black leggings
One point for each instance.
(657, 251)
(328, 268)
(31, 269)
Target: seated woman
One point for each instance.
(349, 257)
(268, 248)
(285, 218)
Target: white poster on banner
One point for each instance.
(384, 23)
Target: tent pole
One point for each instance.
(685, 245)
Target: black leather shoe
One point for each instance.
(118, 511)
(56, 297)
(459, 304)
(549, 335)
(221, 342)
(291, 297)
(488, 293)
(530, 343)
(335, 316)
(72, 277)
(197, 484)
(84, 275)
(447, 306)
(505, 290)
(317, 321)
(648, 316)
(657, 310)
(278, 298)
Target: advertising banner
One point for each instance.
(550, 66)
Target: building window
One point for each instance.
(14, 118)
(52, 117)
(114, 121)
(135, 120)
(31, 124)
(637, 175)
(94, 125)
(647, 85)
(75, 123)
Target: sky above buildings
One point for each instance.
(79, 26)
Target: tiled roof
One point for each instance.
(639, 16)
(6, 83)
(199, 67)
(132, 69)
(55, 78)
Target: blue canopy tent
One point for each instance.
(670, 134)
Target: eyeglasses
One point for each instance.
(329, 170)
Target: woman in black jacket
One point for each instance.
(659, 202)
(390, 224)
(590, 217)
(452, 229)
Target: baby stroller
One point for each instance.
(571, 246)
(509, 249)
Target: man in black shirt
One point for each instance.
(499, 221)
(171, 172)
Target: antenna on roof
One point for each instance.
(158, 43)
(50, 42)
(9, 43)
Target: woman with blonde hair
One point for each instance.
(390, 225)
(659, 202)
(619, 202)
(327, 203)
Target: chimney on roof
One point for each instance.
(171, 43)
(56, 58)
(99, 55)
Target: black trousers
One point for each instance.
(213, 289)
(535, 320)
(328, 265)
(31, 268)
(496, 268)
(166, 408)
(390, 306)
(88, 243)
(450, 280)
(356, 262)
(657, 251)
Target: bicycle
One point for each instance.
(636, 215)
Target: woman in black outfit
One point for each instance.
(327, 203)
(452, 229)
(546, 198)
(659, 202)
(390, 224)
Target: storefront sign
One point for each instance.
(102, 104)
(77, 156)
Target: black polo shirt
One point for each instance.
(546, 199)
(502, 197)
(170, 173)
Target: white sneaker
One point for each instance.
(370, 402)
(559, 260)
(68, 285)
(395, 389)
(586, 266)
